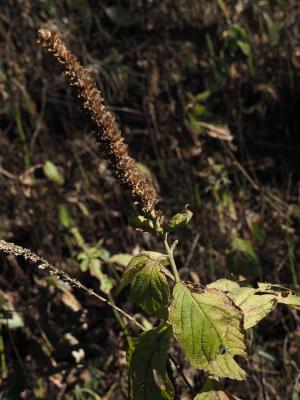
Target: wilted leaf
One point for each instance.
(147, 360)
(212, 390)
(52, 173)
(209, 327)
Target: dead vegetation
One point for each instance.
(208, 96)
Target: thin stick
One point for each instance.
(41, 263)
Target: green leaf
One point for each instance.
(52, 173)
(119, 15)
(209, 327)
(245, 47)
(149, 288)
(64, 216)
(134, 266)
(147, 361)
(212, 390)
(180, 219)
(106, 284)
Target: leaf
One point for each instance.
(147, 361)
(245, 47)
(119, 15)
(254, 305)
(8, 316)
(179, 220)
(284, 295)
(209, 328)
(149, 288)
(52, 173)
(106, 284)
(64, 216)
(223, 284)
(134, 266)
(212, 390)
(122, 259)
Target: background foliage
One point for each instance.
(207, 93)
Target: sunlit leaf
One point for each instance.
(224, 284)
(257, 303)
(254, 305)
(147, 361)
(209, 327)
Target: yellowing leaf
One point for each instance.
(209, 327)
(254, 305)
(223, 284)
(147, 360)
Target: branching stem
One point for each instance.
(170, 253)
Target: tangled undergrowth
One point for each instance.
(208, 95)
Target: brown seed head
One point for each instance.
(107, 130)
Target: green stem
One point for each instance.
(169, 251)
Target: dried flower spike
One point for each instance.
(107, 129)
